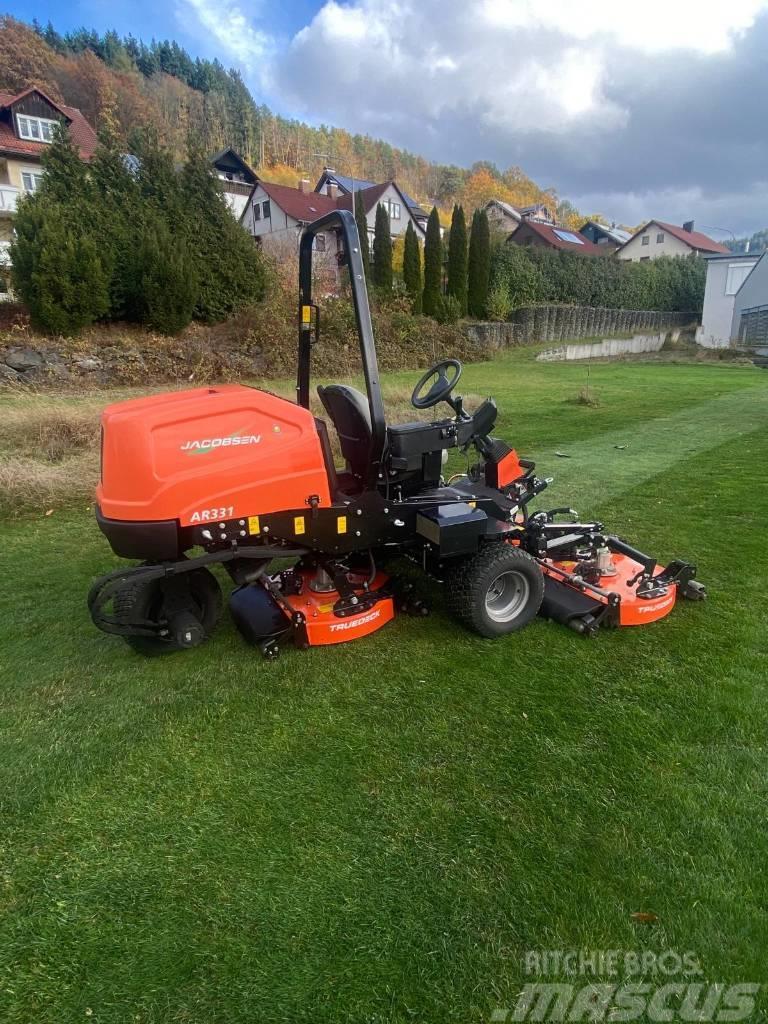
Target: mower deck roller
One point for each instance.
(249, 478)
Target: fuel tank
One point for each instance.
(207, 454)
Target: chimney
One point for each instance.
(305, 186)
(688, 226)
(328, 170)
(333, 190)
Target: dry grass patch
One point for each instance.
(49, 444)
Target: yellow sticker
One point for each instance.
(253, 524)
(306, 314)
(298, 524)
(341, 524)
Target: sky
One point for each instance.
(635, 109)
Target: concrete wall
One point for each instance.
(670, 246)
(754, 292)
(605, 349)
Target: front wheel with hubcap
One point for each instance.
(497, 591)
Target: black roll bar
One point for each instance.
(343, 220)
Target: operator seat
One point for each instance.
(349, 412)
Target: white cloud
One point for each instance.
(233, 30)
(653, 25)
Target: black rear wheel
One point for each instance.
(497, 591)
(145, 601)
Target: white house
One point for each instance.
(750, 307)
(276, 214)
(507, 218)
(237, 179)
(335, 185)
(657, 238)
(725, 277)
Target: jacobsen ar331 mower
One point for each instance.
(250, 478)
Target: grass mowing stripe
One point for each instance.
(653, 446)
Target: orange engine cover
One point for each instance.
(208, 454)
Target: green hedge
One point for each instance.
(531, 275)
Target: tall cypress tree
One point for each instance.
(362, 230)
(479, 265)
(433, 265)
(412, 267)
(382, 251)
(457, 259)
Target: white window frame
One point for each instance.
(393, 208)
(660, 236)
(736, 276)
(35, 176)
(645, 240)
(44, 125)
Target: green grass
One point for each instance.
(379, 831)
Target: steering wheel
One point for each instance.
(442, 386)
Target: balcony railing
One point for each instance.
(9, 196)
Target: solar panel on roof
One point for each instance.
(568, 236)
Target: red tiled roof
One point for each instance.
(370, 197)
(83, 136)
(695, 239)
(303, 206)
(547, 232)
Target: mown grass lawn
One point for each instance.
(380, 831)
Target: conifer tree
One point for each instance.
(457, 260)
(229, 267)
(479, 265)
(412, 267)
(168, 285)
(382, 251)
(362, 230)
(433, 266)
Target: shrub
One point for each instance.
(531, 275)
(168, 281)
(499, 305)
(57, 271)
(449, 310)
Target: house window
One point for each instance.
(737, 274)
(265, 210)
(319, 245)
(646, 240)
(660, 237)
(31, 180)
(644, 258)
(257, 211)
(36, 129)
(392, 208)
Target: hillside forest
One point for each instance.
(119, 83)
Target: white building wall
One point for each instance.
(724, 279)
(754, 292)
(668, 246)
(398, 225)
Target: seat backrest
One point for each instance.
(350, 415)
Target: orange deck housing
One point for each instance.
(208, 454)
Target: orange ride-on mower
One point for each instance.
(249, 478)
